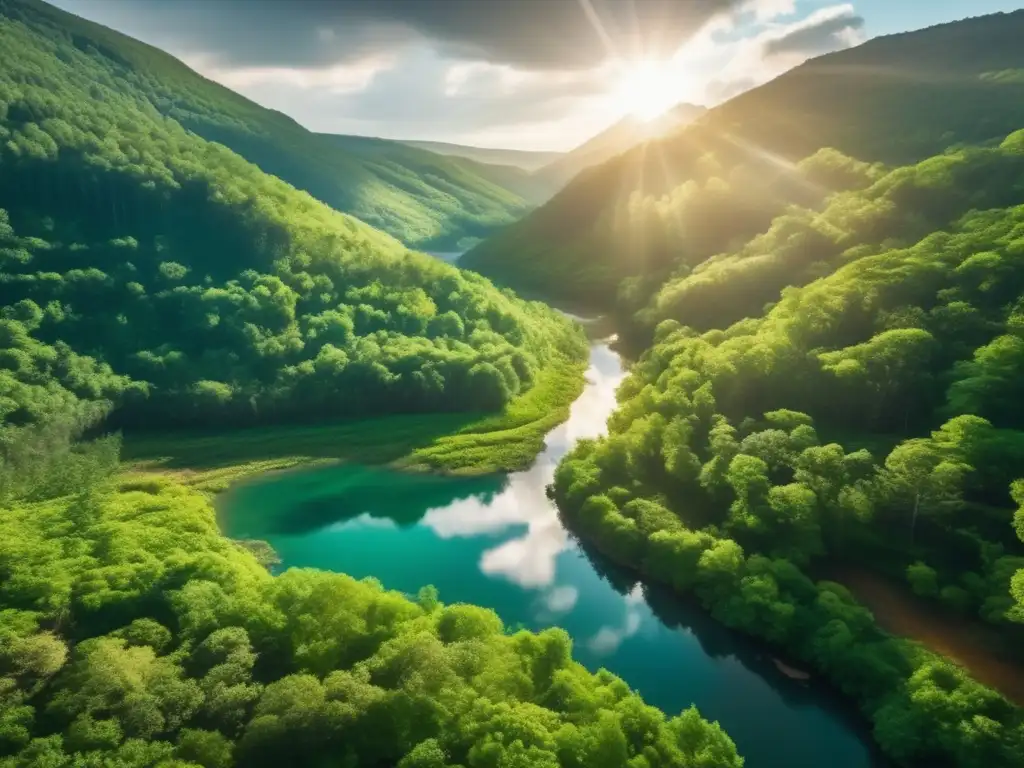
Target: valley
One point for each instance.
(699, 444)
(497, 541)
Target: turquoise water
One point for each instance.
(497, 541)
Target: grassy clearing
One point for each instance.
(457, 443)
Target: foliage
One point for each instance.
(424, 199)
(140, 636)
(160, 278)
(867, 410)
(464, 444)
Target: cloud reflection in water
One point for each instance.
(529, 560)
(608, 639)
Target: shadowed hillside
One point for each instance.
(417, 196)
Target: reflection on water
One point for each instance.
(497, 541)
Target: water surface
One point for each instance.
(497, 541)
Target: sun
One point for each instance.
(647, 89)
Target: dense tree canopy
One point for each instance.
(133, 634)
(424, 199)
(146, 270)
(837, 351)
(870, 412)
(828, 273)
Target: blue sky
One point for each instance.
(884, 17)
(529, 74)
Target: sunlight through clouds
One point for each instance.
(340, 79)
(547, 74)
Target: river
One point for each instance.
(497, 541)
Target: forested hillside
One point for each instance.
(845, 388)
(432, 167)
(160, 278)
(417, 196)
(669, 205)
(524, 159)
(134, 635)
(148, 272)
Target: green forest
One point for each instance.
(832, 373)
(159, 280)
(135, 634)
(425, 200)
(151, 278)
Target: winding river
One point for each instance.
(497, 541)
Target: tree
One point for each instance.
(748, 478)
(924, 580)
(1017, 583)
(795, 529)
(893, 366)
(989, 384)
(923, 477)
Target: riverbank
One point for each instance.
(975, 647)
(452, 443)
(497, 541)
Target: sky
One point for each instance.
(522, 74)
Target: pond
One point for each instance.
(497, 541)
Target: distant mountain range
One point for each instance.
(533, 188)
(619, 137)
(550, 171)
(524, 159)
(893, 100)
(429, 195)
(425, 199)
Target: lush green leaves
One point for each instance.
(185, 647)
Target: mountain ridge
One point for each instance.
(453, 206)
(619, 137)
(526, 159)
(894, 99)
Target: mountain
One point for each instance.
(432, 211)
(156, 278)
(667, 206)
(524, 159)
(616, 139)
(842, 398)
(486, 180)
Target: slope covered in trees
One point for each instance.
(146, 270)
(669, 205)
(422, 198)
(133, 634)
(525, 159)
(154, 277)
(436, 169)
(870, 412)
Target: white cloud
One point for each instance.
(756, 59)
(766, 10)
(529, 560)
(338, 79)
